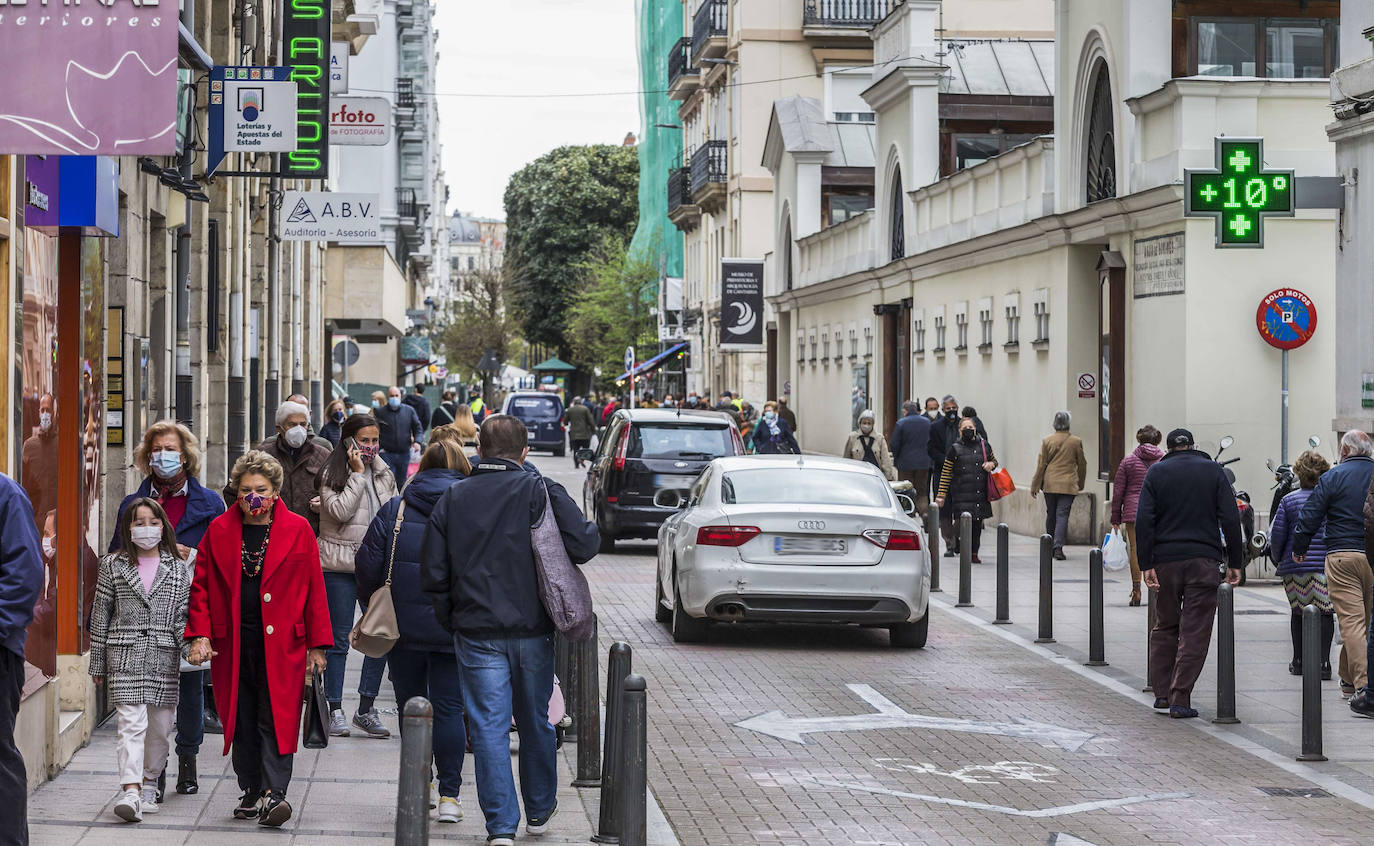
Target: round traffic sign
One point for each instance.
(1286, 318)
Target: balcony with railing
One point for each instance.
(683, 76)
(710, 26)
(681, 210)
(710, 172)
(408, 206)
(843, 17)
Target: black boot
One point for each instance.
(186, 775)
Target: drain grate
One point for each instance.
(1297, 792)
(1254, 611)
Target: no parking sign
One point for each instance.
(1286, 318)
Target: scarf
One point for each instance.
(167, 488)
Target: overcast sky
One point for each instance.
(529, 47)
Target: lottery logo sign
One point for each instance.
(1286, 318)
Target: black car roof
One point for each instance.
(672, 415)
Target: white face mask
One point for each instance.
(295, 437)
(44, 420)
(146, 537)
(49, 547)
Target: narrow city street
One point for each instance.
(782, 734)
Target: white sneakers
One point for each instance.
(148, 801)
(450, 809)
(128, 807)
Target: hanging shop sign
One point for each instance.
(252, 110)
(305, 37)
(338, 67)
(741, 303)
(330, 216)
(99, 79)
(1286, 318)
(360, 121)
(1239, 192)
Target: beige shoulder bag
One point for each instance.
(377, 630)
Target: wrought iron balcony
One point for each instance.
(405, 93)
(683, 76)
(844, 14)
(710, 172)
(407, 204)
(681, 210)
(709, 29)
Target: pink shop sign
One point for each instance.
(98, 78)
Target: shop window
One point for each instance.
(1277, 48)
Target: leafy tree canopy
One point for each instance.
(559, 208)
(614, 309)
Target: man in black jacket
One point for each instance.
(910, 443)
(420, 405)
(401, 428)
(1186, 509)
(478, 568)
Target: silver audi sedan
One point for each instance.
(803, 539)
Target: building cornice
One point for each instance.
(1225, 88)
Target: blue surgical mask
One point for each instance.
(770, 416)
(166, 464)
(376, 404)
(393, 402)
(338, 416)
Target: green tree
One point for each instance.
(559, 208)
(614, 309)
(476, 320)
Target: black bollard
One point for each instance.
(617, 668)
(634, 744)
(1311, 685)
(1097, 635)
(587, 715)
(1046, 589)
(1003, 574)
(965, 561)
(933, 538)
(569, 683)
(1149, 632)
(412, 787)
(1226, 655)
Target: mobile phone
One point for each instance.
(349, 445)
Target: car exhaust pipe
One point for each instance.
(730, 611)
(668, 499)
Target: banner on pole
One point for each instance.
(741, 303)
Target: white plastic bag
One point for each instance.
(1115, 555)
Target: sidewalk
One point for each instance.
(342, 796)
(1268, 699)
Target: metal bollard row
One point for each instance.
(412, 787)
(617, 669)
(1311, 685)
(1226, 655)
(634, 745)
(1046, 589)
(1097, 635)
(965, 561)
(1003, 575)
(587, 710)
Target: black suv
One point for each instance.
(647, 460)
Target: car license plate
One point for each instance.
(810, 546)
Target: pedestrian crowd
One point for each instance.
(218, 609)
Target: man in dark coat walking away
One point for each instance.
(21, 579)
(446, 412)
(581, 426)
(910, 443)
(1186, 508)
(478, 568)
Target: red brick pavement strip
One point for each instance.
(721, 784)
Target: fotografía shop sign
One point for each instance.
(93, 79)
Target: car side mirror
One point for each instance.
(585, 454)
(908, 504)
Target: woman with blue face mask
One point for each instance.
(169, 456)
(333, 420)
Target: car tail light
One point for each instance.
(739, 442)
(725, 535)
(619, 463)
(897, 539)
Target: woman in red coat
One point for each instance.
(258, 607)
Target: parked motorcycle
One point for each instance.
(1285, 482)
(1247, 512)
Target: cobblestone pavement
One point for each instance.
(1115, 773)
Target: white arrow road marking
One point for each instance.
(890, 715)
(1060, 838)
(1039, 813)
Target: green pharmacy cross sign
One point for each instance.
(1239, 193)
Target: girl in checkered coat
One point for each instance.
(137, 621)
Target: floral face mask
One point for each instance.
(256, 504)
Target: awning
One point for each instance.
(555, 364)
(645, 367)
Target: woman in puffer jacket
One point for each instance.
(422, 662)
(1130, 478)
(1304, 583)
(353, 487)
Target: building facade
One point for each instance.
(1062, 273)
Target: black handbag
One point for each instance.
(315, 724)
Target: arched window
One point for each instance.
(787, 256)
(898, 217)
(1101, 139)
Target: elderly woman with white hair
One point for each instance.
(1060, 473)
(302, 459)
(868, 444)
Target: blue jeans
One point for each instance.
(434, 675)
(342, 592)
(505, 677)
(191, 711)
(399, 462)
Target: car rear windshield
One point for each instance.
(689, 441)
(536, 408)
(803, 486)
